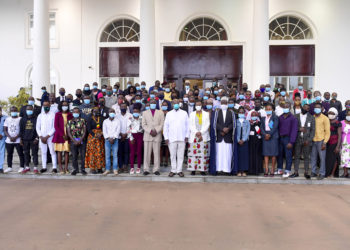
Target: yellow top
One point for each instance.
(322, 128)
(199, 118)
(167, 96)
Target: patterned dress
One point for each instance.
(198, 152)
(95, 148)
(345, 149)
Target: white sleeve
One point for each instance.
(166, 127)
(38, 126)
(105, 130)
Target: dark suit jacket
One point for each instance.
(185, 107)
(274, 131)
(104, 112)
(36, 111)
(58, 99)
(220, 124)
(310, 129)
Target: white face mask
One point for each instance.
(348, 118)
(332, 117)
(198, 108)
(224, 107)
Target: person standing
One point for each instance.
(76, 130)
(334, 103)
(62, 96)
(152, 124)
(322, 134)
(45, 128)
(306, 133)
(176, 133)
(255, 145)
(242, 133)
(110, 99)
(2, 140)
(31, 102)
(12, 132)
(29, 139)
(60, 138)
(345, 149)
(199, 140)
(86, 108)
(135, 135)
(333, 145)
(124, 150)
(111, 131)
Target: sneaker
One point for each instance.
(295, 175)
(106, 172)
(8, 170)
(278, 172)
(320, 177)
(138, 171)
(74, 172)
(83, 172)
(36, 171)
(313, 175)
(20, 170)
(26, 170)
(116, 172)
(54, 171)
(132, 171)
(43, 170)
(286, 175)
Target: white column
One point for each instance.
(147, 42)
(41, 47)
(261, 60)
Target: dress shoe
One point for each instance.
(294, 175)
(181, 174)
(146, 173)
(320, 177)
(193, 173)
(43, 170)
(313, 175)
(54, 171)
(74, 172)
(171, 174)
(203, 173)
(307, 176)
(157, 173)
(83, 172)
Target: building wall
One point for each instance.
(80, 21)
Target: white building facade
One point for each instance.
(105, 41)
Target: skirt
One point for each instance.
(95, 152)
(331, 158)
(198, 156)
(270, 147)
(243, 157)
(62, 147)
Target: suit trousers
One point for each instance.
(177, 152)
(148, 147)
(317, 151)
(306, 150)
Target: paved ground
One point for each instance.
(77, 214)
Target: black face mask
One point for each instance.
(102, 104)
(309, 96)
(78, 95)
(123, 110)
(257, 108)
(303, 111)
(46, 109)
(245, 89)
(229, 86)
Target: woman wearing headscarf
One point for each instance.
(255, 145)
(333, 144)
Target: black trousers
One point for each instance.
(77, 150)
(10, 148)
(123, 152)
(27, 146)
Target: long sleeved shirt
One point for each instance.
(322, 128)
(111, 128)
(45, 124)
(28, 128)
(176, 126)
(124, 122)
(288, 126)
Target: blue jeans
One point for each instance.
(114, 148)
(284, 151)
(2, 152)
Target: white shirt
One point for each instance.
(176, 126)
(303, 119)
(111, 128)
(45, 124)
(224, 114)
(124, 122)
(12, 125)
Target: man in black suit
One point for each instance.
(62, 96)
(31, 102)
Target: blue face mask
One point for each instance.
(136, 115)
(214, 83)
(241, 97)
(209, 106)
(262, 90)
(147, 108)
(104, 90)
(283, 93)
(153, 105)
(300, 87)
(86, 88)
(216, 92)
(87, 101)
(128, 85)
(167, 90)
(76, 115)
(64, 108)
(43, 90)
(254, 118)
(29, 112)
(267, 89)
(185, 99)
(266, 98)
(114, 90)
(164, 108)
(231, 105)
(138, 88)
(111, 115)
(14, 114)
(218, 98)
(30, 102)
(241, 116)
(94, 87)
(205, 97)
(152, 96)
(317, 110)
(207, 92)
(143, 86)
(286, 111)
(176, 106)
(138, 101)
(269, 112)
(318, 98)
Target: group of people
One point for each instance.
(224, 129)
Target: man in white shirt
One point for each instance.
(269, 91)
(12, 132)
(176, 133)
(123, 151)
(45, 129)
(111, 131)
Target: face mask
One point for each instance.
(123, 110)
(207, 92)
(86, 88)
(334, 97)
(209, 107)
(241, 116)
(153, 105)
(111, 115)
(257, 95)
(109, 92)
(143, 86)
(29, 112)
(114, 90)
(214, 83)
(309, 96)
(87, 101)
(254, 118)
(176, 106)
(138, 101)
(266, 98)
(138, 88)
(167, 90)
(205, 97)
(30, 102)
(185, 99)
(161, 97)
(231, 105)
(187, 87)
(229, 86)
(317, 110)
(75, 115)
(196, 93)
(256, 108)
(283, 93)
(224, 107)
(348, 118)
(128, 85)
(268, 89)
(136, 115)
(300, 88)
(269, 112)
(78, 95)
(318, 98)
(147, 108)
(104, 90)
(46, 109)
(102, 104)
(286, 111)
(64, 108)
(241, 97)
(94, 87)
(216, 92)
(262, 90)
(164, 108)
(14, 114)
(332, 117)
(218, 98)
(191, 103)
(245, 89)
(198, 108)
(43, 90)
(152, 96)
(62, 93)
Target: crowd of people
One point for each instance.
(224, 129)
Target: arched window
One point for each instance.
(121, 30)
(289, 28)
(203, 29)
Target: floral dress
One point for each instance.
(345, 149)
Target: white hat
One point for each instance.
(334, 110)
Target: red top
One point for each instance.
(301, 95)
(59, 127)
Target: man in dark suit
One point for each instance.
(62, 96)
(31, 102)
(306, 133)
(103, 109)
(186, 89)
